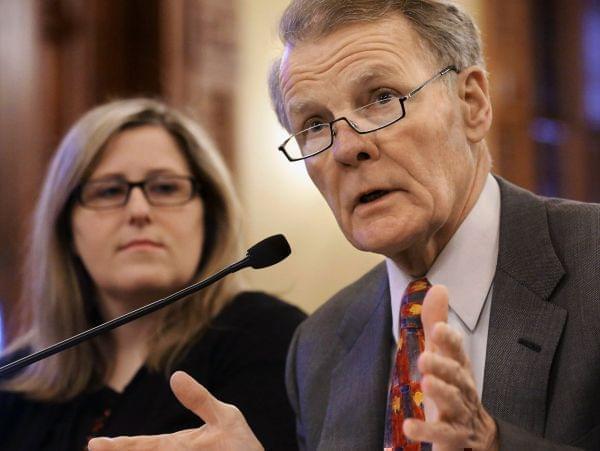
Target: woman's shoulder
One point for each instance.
(24, 421)
(15, 410)
(254, 326)
(12, 402)
(260, 307)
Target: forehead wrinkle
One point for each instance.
(364, 75)
(307, 65)
(346, 53)
(332, 58)
(299, 74)
(381, 33)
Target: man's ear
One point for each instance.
(473, 90)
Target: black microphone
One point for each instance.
(268, 252)
(265, 253)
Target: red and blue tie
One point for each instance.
(406, 398)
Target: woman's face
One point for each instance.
(139, 251)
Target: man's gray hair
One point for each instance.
(446, 30)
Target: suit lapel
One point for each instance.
(356, 408)
(525, 328)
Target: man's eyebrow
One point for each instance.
(298, 107)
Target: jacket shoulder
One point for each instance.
(331, 313)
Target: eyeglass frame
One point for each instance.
(402, 99)
(142, 185)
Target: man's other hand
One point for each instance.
(455, 417)
(225, 427)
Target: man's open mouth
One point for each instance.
(373, 195)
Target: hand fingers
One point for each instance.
(450, 371)
(139, 443)
(199, 400)
(225, 426)
(441, 433)
(448, 399)
(440, 337)
(481, 433)
(434, 310)
(449, 342)
(162, 442)
(101, 444)
(195, 397)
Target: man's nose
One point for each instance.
(350, 147)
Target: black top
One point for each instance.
(240, 359)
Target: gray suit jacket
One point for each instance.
(542, 370)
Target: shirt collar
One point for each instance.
(466, 265)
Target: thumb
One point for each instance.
(195, 397)
(434, 310)
(101, 444)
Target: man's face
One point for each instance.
(402, 188)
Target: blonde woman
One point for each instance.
(136, 205)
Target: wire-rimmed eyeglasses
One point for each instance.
(366, 119)
(160, 190)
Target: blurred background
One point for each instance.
(58, 58)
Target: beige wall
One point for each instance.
(278, 196)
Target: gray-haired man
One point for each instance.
(388, 106)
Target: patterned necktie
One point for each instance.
(405, 397)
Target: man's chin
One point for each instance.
(386, 236)
(381, 245)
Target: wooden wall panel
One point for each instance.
(509, 50)
(199, 54)
(541, 138)
(21, 136)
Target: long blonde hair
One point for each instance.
(59, 294)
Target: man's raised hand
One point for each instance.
(225, 427)
(455, 417)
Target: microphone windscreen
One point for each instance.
(269, 251)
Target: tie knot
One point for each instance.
(417, 287)
(410, 307)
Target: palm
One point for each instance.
(455, 418)
(225, 427)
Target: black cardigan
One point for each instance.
(240, 359)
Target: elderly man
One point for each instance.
(387, 104)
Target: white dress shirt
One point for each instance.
(466, 266)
